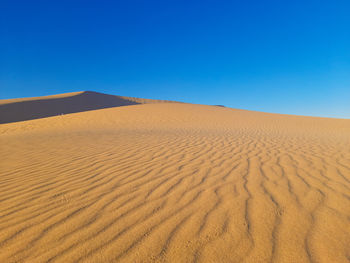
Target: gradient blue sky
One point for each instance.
(275, 56)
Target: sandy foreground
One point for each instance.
(172, 182)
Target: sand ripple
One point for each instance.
(175, 183)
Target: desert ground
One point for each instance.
(89, 177)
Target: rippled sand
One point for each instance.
(175, 183)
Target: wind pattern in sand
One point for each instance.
(175, 183)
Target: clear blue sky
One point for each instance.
(275, 56)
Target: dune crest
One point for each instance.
(171, 182)
(14, 110)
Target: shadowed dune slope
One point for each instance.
(173, 182)
(14, 110)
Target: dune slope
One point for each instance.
(175, 183)
(14, 110)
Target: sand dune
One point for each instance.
(14, 110)
(173, 182)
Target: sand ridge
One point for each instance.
(15, 110)
(171, 182)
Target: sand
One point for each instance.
(14, 110)
(171, 182)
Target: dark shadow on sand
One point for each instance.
(42, 108)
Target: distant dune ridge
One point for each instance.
(14, 110)
(154, 181)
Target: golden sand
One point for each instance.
(173, 182)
